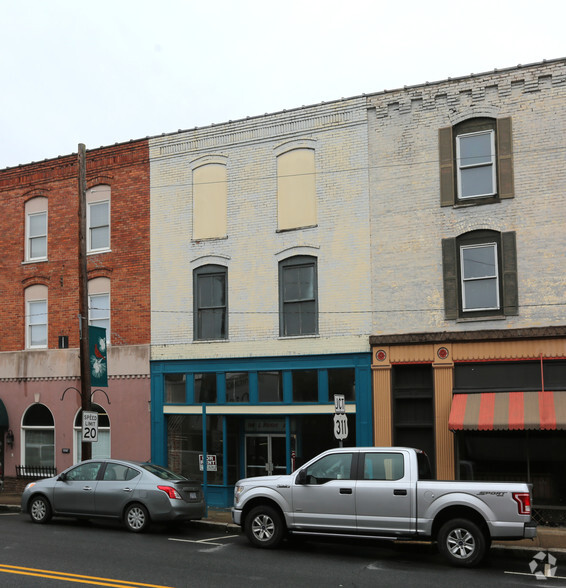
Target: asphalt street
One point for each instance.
(69, 552)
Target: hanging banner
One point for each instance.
(97, 353)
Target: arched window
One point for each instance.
(210, 190)
(480, 274)
(38, 437)
(210, 284)
(36, 316)
(99, 304)
(98, 218)
(100, 449)
(296, 189)
(298, 296)
(36, 229)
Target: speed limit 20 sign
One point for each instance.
(90, 427)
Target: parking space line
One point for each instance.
(204, 541)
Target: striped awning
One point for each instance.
(508, 411)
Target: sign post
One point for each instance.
(340, 419)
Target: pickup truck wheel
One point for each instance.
(264, 527)
(462, 543)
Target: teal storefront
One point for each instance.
(254, 416)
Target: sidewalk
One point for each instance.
(547, 539)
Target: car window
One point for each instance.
(86, 472)
(161, 472)
(119, 472)
(384, 466)
(337, 466)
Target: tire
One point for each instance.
(264, 527)
(40, 510)
(136, 518)
(462, 543)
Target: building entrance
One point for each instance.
(266, 454)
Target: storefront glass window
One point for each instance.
(342, 381)
(175, 386)
(305, 386)
(185, 448)
(237, 387)
(270, 386)
(205, 388)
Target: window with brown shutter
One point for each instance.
(476, 162)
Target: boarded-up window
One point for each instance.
(296, 189)
(209, 201)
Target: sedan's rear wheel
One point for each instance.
(40, 510)
(136, 518)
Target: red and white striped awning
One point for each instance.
(508, 411)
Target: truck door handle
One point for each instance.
(345, 491)
(399, 493)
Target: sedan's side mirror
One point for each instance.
(62, 477)
(301, 477)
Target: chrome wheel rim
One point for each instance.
(461, 543)
(38, 510)
(136, 518)
(263, 527)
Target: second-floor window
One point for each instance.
(36, 317)
(210, 284)
(298, 305)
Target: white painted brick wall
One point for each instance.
(408, 224)
(253, 246)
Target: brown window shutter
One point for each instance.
(446, 158)
(509, 273)
(450, 275)
(505, 158)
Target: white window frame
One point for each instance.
(31, 238)
(25, 429)
(90, 227)
(491, 163)
(486, 277)
(96, 322)
(30, 325)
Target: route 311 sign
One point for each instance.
(90, 427)
(340, 418)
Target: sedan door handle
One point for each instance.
(399, 492)
(87, 488)
(126, 489)
(345, 491)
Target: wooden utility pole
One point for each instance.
(86, 448)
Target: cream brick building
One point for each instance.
(252, 217)
(468, 208)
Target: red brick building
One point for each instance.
(39, 325)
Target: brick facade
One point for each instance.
(51, 376)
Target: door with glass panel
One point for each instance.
(266, 454)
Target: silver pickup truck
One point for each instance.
(384, 493)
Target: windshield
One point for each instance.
(162, 473)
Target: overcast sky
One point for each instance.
(101, 72)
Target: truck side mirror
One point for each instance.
(301, 477)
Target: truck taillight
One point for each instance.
(523, 500)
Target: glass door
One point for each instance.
(266, 455)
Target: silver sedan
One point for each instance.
(133, 492)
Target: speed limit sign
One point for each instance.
(90, 427)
